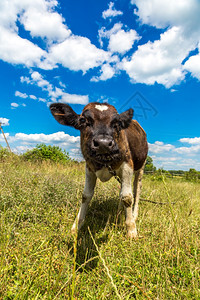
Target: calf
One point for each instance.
(112, 144)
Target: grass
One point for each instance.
(40, 259)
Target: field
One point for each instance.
(40, 259)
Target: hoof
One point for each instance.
(77, 226)
(74, 228)
(132, 234)
(73, 231)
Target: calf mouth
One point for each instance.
(106, 158)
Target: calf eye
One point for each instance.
(82, 120)
(89, 122)
(116, 125)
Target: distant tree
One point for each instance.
(149, 160)
(177, 172)
(149, 167)
(192, 175)
(44, 152)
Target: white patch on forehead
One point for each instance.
(101, 107)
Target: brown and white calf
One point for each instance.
(111, 143)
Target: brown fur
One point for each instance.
(111, 143)
(132, 141)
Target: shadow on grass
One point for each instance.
(100, 217)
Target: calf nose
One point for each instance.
(102, 144)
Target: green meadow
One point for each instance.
(40, 259)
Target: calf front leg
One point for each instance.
(90, 182)
(126, 196)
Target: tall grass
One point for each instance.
(40, 259)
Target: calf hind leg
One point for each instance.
(137, 191)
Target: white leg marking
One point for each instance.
(137, 190)
(126, 196)
(90, 182)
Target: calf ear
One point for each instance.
(65, 115)
(126, 118)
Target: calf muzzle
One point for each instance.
(103, 145)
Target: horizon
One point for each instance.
(121, 52)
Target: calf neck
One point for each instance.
(111, 143)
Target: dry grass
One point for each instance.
(39, 258)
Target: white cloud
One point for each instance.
(193, 65)
(162, 14)
(21, 149)
(111, 12)
(160, 147)
(192, 141)
(164, 155)
(177, 157)
(4, 121)
(77, 53)
(37, 79)
(25, 79)
(21, 95)
(11, 44)
(21, 142)
(33, 97)
(50, 23)
(167, 162)
(76, 154)
(2, 139)
(24, 95)
(74, 99)
(107, 72)
(62, 84)
(122, 41)
(161, 61)
(188, 164)
(175, 162)
(103, 33)
(58, 137)
(164, 159)
(60, 46)
(54, 93)
(42, 100)
(36, 76)
(12, 49)
(188, 150)
(119, 42)
(14, 105)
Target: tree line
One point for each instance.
(56, 154)
(191, 175)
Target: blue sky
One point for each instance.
(138, 53)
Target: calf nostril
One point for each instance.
(110, 144)
(96, 144)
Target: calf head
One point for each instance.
(100, 126)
